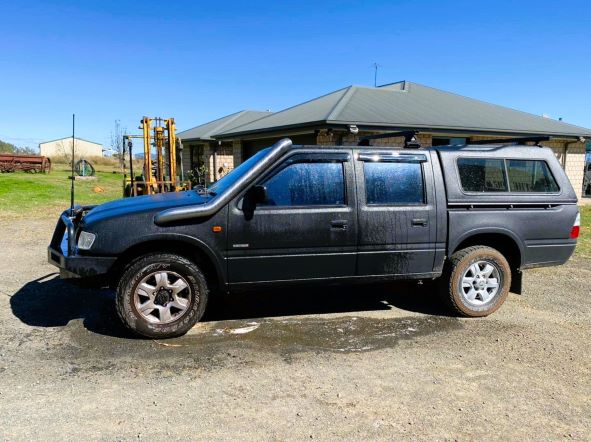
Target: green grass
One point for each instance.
(25, 194)
(584, 244)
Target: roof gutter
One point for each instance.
(369, 127)
(211, 208)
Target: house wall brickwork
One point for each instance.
(574, 165)
(237, 152)
(229, 155)
(326, 138)
(224, 162)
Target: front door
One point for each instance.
(397, 218)
(306, 229)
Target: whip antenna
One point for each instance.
(72, 177)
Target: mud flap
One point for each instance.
(516, 281)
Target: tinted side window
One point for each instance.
(393, 183)
(530, 176)
(482, 174)
(307, 184)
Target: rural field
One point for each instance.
(355, 363)
(26, 194)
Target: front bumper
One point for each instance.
(62, 252)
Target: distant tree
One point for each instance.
(7, 147)
(11, 148)
(25, 151)
(117, 143)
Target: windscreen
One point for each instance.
(226, 181)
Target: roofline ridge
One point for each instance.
(392, 83)
(213, 121)
(259, 111)
(234, 118)
(341, 102)
(309, 101)
(244, 124)
(272, 114)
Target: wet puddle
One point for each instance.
(341, 335)
(214, 345)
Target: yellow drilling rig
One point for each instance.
(159, 175)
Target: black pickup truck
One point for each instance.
(473, 216)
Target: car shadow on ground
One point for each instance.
(306, 300)
(51, 302)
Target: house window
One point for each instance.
(441, 141)
(196, 156)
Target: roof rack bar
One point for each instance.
(409, 138)
(518, 140)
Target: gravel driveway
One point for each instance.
(355, 363)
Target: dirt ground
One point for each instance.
(354, 363)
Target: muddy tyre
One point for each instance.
(476, 281)
(161, 295)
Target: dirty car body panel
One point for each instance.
(539, 223)
(331, 214)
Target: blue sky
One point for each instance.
(196, 61)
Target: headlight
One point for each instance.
(85, 240)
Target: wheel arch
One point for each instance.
(188, 247)
(502, 240)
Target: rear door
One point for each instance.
(306, 230)
(397, 216)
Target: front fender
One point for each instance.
(216, 259)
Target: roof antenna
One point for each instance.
(376, 66)
(72, 177)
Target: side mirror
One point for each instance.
(255, 195)
(258, 194)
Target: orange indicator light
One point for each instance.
(217, 229)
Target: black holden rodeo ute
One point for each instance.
(472, 216)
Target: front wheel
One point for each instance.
(161, 295)
(476, 281)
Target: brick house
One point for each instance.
(345, 116)
(215, 157)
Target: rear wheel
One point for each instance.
(161, 295)
(476, 281)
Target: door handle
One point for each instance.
(338, 224)
(421, 222)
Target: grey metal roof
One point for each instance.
(410, 106)
(206, 131)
